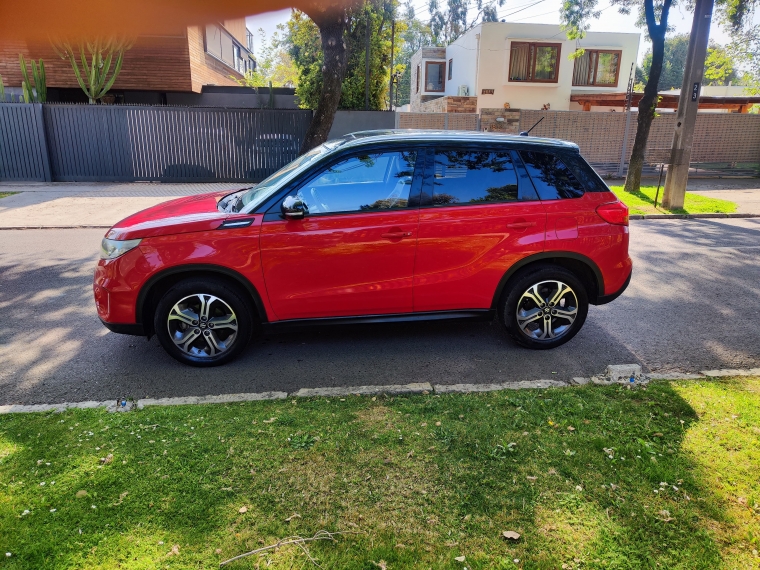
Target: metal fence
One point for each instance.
(135, 143)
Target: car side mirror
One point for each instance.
(293, 208)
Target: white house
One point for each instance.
(519, 66)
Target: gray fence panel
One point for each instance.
(171, 144)
(23, 152)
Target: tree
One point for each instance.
(719, 67)
(306, 50)
(416, 36)
(274, 64)
(93, 77)
(449, 22)
(575, 15)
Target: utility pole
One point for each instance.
(366, 67)
(390, 88)
(688, 104)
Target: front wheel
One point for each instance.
(545, 308)
(203, 322)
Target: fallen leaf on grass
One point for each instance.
(383, 565)
(658, 434)
(531, 478)
(293, 516)
(459, 558)
(243, 510)
(510, 534)
(269, 421)
(218, 551)
(664, 516)
(570, 428)
(107, 459)
(174, 551)
(81, 494)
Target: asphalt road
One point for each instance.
(694, 304)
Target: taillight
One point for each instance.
(614, 213)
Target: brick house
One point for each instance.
(155, 69)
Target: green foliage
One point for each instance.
(449, 21)
(642, 202)
(274, 65)
(415, 36)
(33, 91)
(305, 48)
(93, 75)
(2, 90)
(719, 66)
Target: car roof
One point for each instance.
(362, 138)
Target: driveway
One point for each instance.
(693, 304)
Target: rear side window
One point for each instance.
(585, 173)
(551, 177)
(462, 177)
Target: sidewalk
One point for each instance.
(96, 204)
(64, 204)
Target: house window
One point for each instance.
(597, 67)
(418, 79)
(538, 62)
(451, 66)
(435, 76)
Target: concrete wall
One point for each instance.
(353, 121)
(242, 100)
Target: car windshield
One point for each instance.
(262, 191)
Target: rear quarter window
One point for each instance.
(551, 177)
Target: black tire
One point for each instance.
(541, 327)
(208, 342)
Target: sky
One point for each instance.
(537, 12)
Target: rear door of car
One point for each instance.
(353, 252)
(479, 215)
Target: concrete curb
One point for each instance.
(689, 216)
(339, 391)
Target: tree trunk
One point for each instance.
(648, 103)
(332, 22)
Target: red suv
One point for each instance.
(377, 226)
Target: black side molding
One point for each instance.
(468, 314)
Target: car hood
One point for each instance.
(191, 214)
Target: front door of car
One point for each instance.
(479, 215)
(353, 251)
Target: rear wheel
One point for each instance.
(203, 322)
(545, 307)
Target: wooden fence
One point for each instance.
(131, 143)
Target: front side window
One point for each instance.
(434, 75)
(552, 179)
(597, 67)
(363, 183)
(537, 62)
(463, 177)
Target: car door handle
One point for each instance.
(396, 235)
(520, 225)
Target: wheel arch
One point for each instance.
(159, 283)
(583, 267)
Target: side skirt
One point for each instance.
(294, 324)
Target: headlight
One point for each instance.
(113, 248)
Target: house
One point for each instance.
(155, 70)
(498, 65)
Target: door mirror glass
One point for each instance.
(293, 208)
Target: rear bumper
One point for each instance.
(135, 329)
(604, 299)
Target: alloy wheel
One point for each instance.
(202, 325)
(547, 310)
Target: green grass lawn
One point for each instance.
(4, 194)
(591, 477)
(642, 202)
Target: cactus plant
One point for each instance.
(93, 75)
(38, 93)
